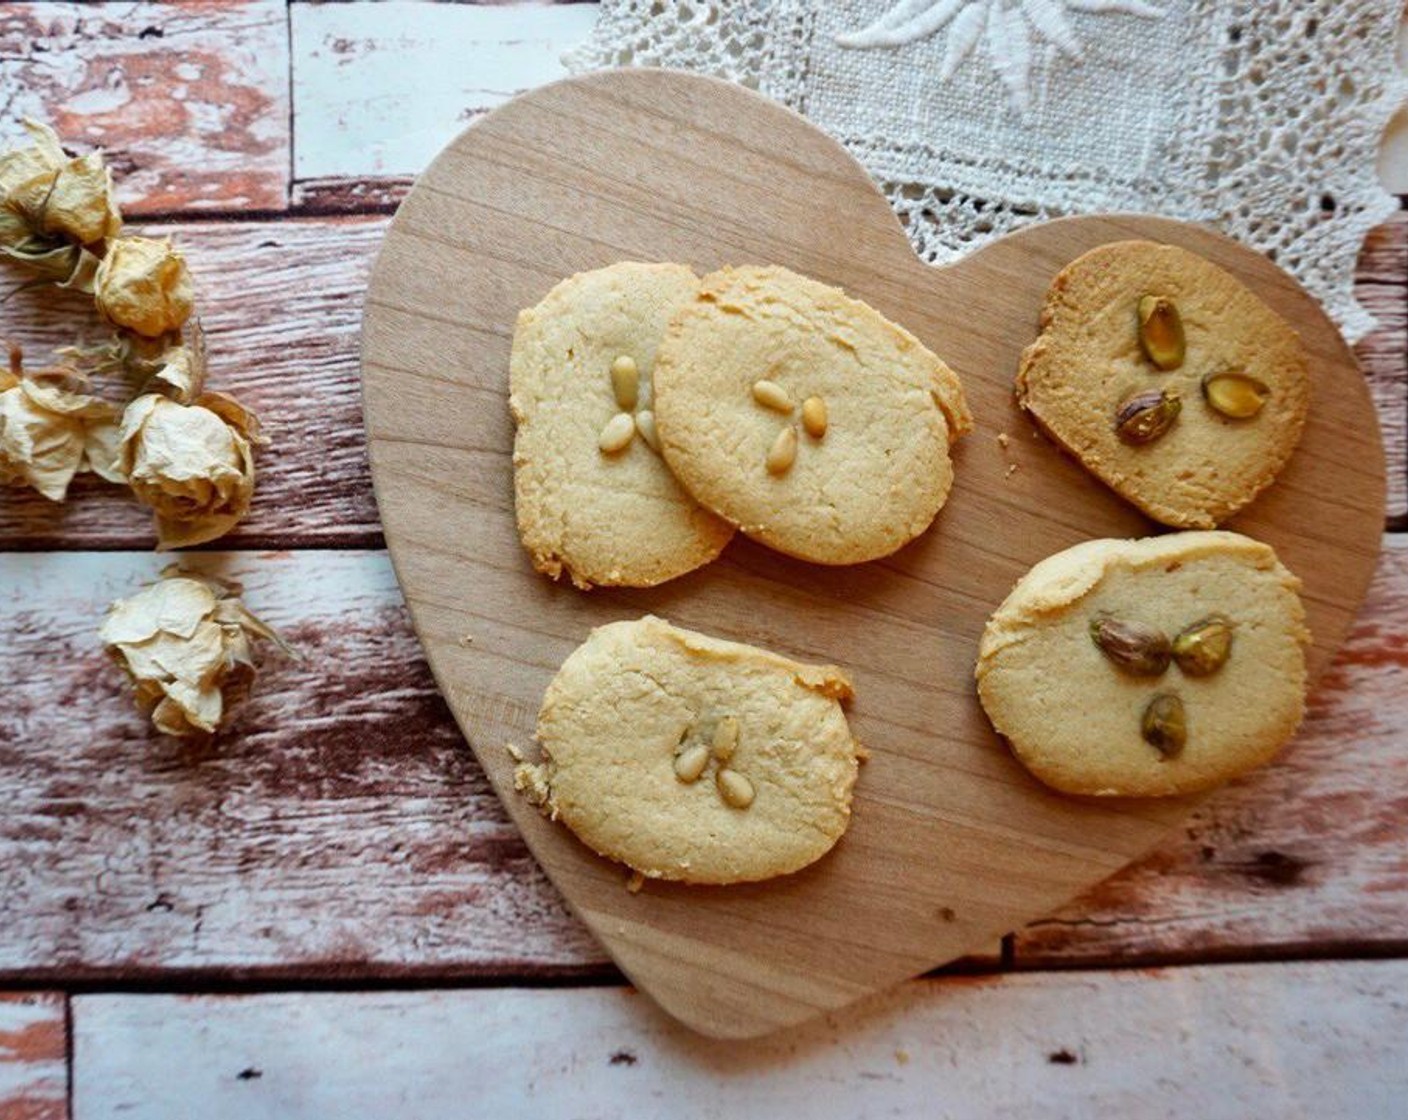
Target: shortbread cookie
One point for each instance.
(686, 757)
(1167, 379)
(805, 417)
(1147, 667)
(592, 495)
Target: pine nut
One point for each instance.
(734, 788)
(770, 394)
(625, 382)
(814, 417)
(725, 739)
(617, 434)
(783, 451)
(645, 425)
(689, 764)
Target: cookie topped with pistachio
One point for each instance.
(805, 417)
(594, 499)
(1168, 379)
(691, 758)
(1148, 667)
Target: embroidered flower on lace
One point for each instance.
(1259, 117)
(1008, 28)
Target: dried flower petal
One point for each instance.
(45, 432)
(144, 285)
(187, 644)
(192, 464)
(81, 205)
(25, 172)
(46, 194)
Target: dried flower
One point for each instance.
(143, 284)
(51, 430)
(187, 643)
(52, 205)
(192, 464)
(19, 167)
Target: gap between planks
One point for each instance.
(370, 852)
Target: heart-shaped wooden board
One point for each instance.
(951, 843)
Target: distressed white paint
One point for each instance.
(33, 1069)
(1216, 1043)
(378, 89)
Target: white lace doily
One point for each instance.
(1260, 117)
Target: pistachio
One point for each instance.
(783, 451)
(690, 763)
(645, 425)
(1202, 648)
(725, 740)
(1138, 649)
(814, 417)
(617, 434)
(1234, 393)
(625, 382)
(734, 788)
(1146, 416)
(1164, 727)
(770, 394)
(1161, 331)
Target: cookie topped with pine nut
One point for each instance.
(593, 498)
(805, 417)
(1143, 668)
(691, 758)
(1167, 379)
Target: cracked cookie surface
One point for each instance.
(1088, 361)
(735, 371)
(623, 727)
(1075, 716)
(600, 513)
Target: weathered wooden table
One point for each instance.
(327, 913)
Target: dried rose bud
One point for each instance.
(187, 644)
(50, 201)
(49, 431)
(19, 168)
(144, 285)
(193, 464)
(81, 206)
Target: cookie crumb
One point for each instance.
(466, 641)
(1003, 439)
(1011, 470)
(635, 882)
(530, 780)
(862, 753)
(901, 1056)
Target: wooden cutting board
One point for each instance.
(951, 844)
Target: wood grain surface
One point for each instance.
(33, 1056)
(394, 843)
(1230, 1043)
(199, 105)
(190, 101)
(290, 348)
(952, 843)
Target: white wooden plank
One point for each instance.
(33, 1056)
(190, 101)
(341, 826)
(380, 88)
(1216, 1043)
